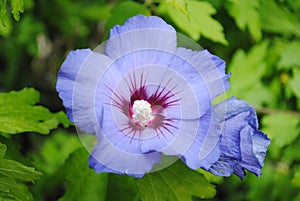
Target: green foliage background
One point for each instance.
(41, 156)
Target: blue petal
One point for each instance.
(210, 68)
(205, 150)
(260, 145)
(254, 149)
(76, 84)
(175, 144)
(67, 75)
(106, 157)
(86, 83)
(111, 131)
(242, 145)
(140, 22)
(138, 33)
(99, 168)
(204, 73)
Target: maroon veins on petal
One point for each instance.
(144, 109)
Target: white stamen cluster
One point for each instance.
(142, 112)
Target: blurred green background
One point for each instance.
(258, 39)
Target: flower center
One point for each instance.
(142, 112)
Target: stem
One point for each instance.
(264, 110)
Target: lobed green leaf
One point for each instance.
(296, 178)
(12, 190)
(276, 20)
(251, 63)
(11, 175)
(124, 185)
(25, 96)
(17, 8)
(282, 128)
(245, 14)
(180, 5)
(198, 21)
(294, 83)
(15, 170)
(210, 177)
(18, 113)
(83, 183)
(2, 150)
(290, 55)
(175, 183)
(2, 10)
(59, 144)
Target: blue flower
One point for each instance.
(243, 146)
(144, 97)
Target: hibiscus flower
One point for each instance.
(144, 97)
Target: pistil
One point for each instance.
(142, 112)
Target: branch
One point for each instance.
(263, 110)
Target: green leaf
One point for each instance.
(274, 180)
(2, 10)
(83, 183)
(13, 151)
(18, 113)
(180, 5)
(291, 153)
(296, 179)
(17, 8)
(290, 55)
(59, 144)
(12, 190)
(294, 83)
(25, 96)
(2, 150)
(16, 170)
(295, 4)
(247, 71)
(6, 26)
(93, 12)
(245, 14)
(128, 9)
(11, 173)
(124, 185)
(175, 183)
(198, 21)
(277, 20)
(242, 65)
(210, 177)
(282, 128)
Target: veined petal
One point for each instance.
(204, 74)
(106, 157)
(67, 75)
(205, 149)
(139, 33)
(242, 145)
(83, 97)
(175, 141)
(140, 22)
(117, 136)
(254, 148)
(210, 68)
